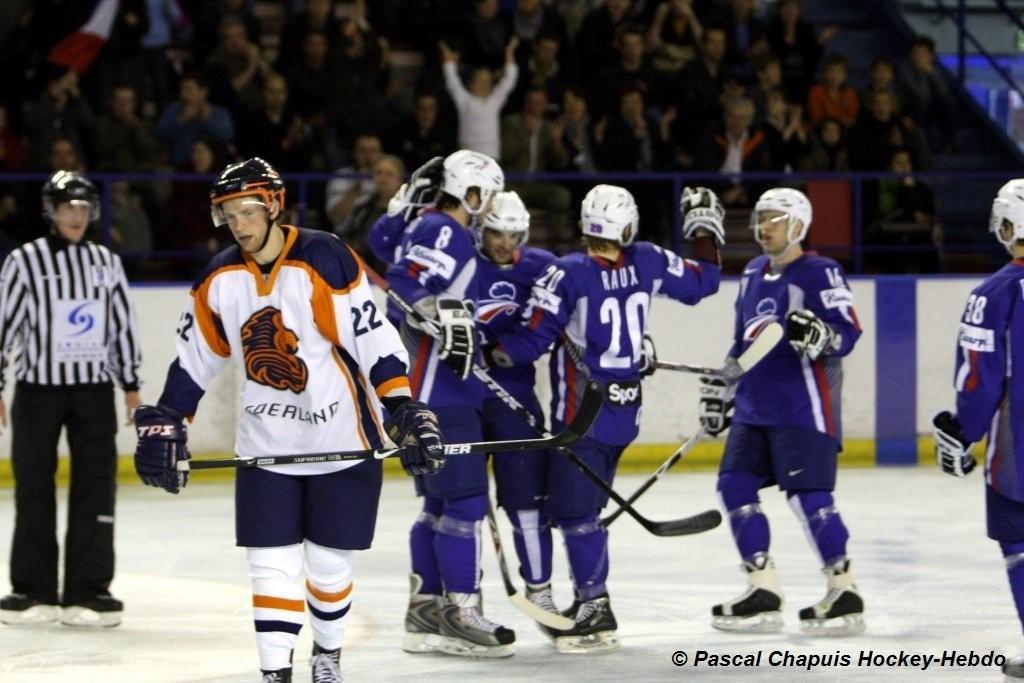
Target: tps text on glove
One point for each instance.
(837, 659)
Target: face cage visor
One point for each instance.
(756, 221)
(93, 208)
(222, 216)
(522, 235)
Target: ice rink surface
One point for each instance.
(931, 579)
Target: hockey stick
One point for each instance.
(765, 341)
(589, 406)
(758, 349)
(535, 612)
(685, 448)
(688, 525)
(431, 328)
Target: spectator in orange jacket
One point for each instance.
(833, 96)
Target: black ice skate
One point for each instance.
(325, 665)
(841, 611)
(421, 627)
(594, 630)
(759, 609)
(18, 609)
(467, 633)
(103, 610)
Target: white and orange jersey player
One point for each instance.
(292, 309)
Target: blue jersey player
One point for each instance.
(506, 272)
(989, 401)
(786, 428)
(436, 271)
(593, 307)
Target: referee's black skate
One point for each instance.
(466, 632)
(18, 609)
(594, 630)
(325, 665)
(841, 611)
(421, 626)
(759, 609)
(102, 610)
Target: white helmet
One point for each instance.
(1008, 206)
(507, 214)
(794, 206)
(609, 212)
(466, 169)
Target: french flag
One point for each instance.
(79, 49)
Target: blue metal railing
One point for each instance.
(672, 183)
(964, 35)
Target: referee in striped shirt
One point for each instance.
(64, 304)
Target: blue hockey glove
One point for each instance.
(950, 448)
(162, 444)
(413, 427)
(648, 356)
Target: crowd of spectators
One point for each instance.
(377, 88)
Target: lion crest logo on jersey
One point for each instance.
(270, 350)
(502, 299)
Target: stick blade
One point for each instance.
(687, 526)
(541, 616)
(586, 413)
(762, 345)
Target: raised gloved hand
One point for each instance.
(413, 427)
(808, 334)
(648, 356)
(701, 208)
(716, 403)
(950, 448)
(421, 190)
(458, 336)
(162, 444)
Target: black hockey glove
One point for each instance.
(950, 448)
(162, 444)
(413, 427)
(422, 189)
(701, 209)
(458, 336)
(495, 357)
(716, 404)
(809, 335)
(648, 356)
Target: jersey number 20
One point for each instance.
(635, 308)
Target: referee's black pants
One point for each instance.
(37, 415)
